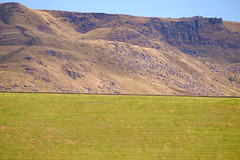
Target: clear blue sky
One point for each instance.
(229, 10)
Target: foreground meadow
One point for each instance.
(72, 126)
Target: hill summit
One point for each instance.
(71, 52)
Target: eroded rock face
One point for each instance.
(194, 35)
(182, 33)
(187, 31)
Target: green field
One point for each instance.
(72, 126)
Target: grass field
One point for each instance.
(66, 126)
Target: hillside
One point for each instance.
(59, 51)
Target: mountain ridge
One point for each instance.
(60, 51)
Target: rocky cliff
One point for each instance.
(192, 36)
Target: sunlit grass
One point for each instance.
(72, 126)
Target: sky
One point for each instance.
(229, 10)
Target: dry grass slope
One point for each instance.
(58, 51)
